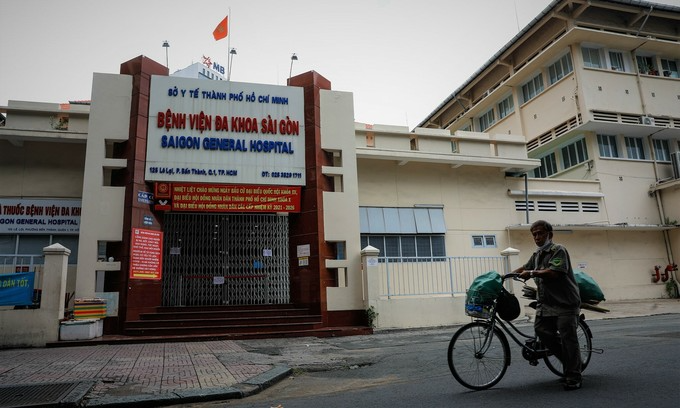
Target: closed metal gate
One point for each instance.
(225, 259)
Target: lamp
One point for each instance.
(292, 58)
(166, 45)
(232, 52)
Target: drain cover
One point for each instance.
(43, 395)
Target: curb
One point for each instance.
(267, 379)
(238, 391)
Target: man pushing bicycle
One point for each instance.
(558, 301)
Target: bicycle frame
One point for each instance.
(494, 321)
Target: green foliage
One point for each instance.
(371, 316)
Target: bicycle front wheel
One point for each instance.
(585, 343)
(478, 357)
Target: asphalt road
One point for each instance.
(640, 366)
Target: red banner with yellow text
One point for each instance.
(233, 198)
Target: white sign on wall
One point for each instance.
(40, 216)
(225, 132)
(303, 251)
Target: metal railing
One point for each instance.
(21, 263)
(436, 276)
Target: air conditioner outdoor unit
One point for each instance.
(647, 120)
(675, 163)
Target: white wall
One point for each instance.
(102, 207)
(621, 262)
(341, 207)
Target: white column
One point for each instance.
(54, 287)
(513, 262)
(369, 263)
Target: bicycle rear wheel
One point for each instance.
(585, 343)
(478, 358)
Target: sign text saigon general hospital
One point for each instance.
(231, 133)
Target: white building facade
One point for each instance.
(575, 121)
(594, 89)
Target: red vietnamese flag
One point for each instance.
(222, 29)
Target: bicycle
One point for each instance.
(479, 352)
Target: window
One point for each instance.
(635, 148)
(506, 107)
(646, 65)
(532, 88)
(574, 153)
(438, 243)
(661, 150)
(560, 69)
(403, 232)
(669, 68)
(454, 146)
(486, 120)
(616, 61)
(31, 246)
(401, 221)
(607, 146)
(484, 241)
(591, 57)
(70, 242)
(548, 166)
(340, 252)
(407, 246)
(391, 246)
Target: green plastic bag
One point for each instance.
(485, 288)
(588, 288)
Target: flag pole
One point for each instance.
(228, 31)
(230, 56)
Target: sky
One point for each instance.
(399, 58)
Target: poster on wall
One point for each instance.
(225, 132)
(16, 289)
(146, 254)
(39, 216)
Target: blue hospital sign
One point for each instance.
(225, 132)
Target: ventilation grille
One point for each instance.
(552, 206)
(606, 117)
(636, 119)
(547, 206)
(554, 133)
(569, 206)
(590, 207)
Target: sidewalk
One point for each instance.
(158, 374)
